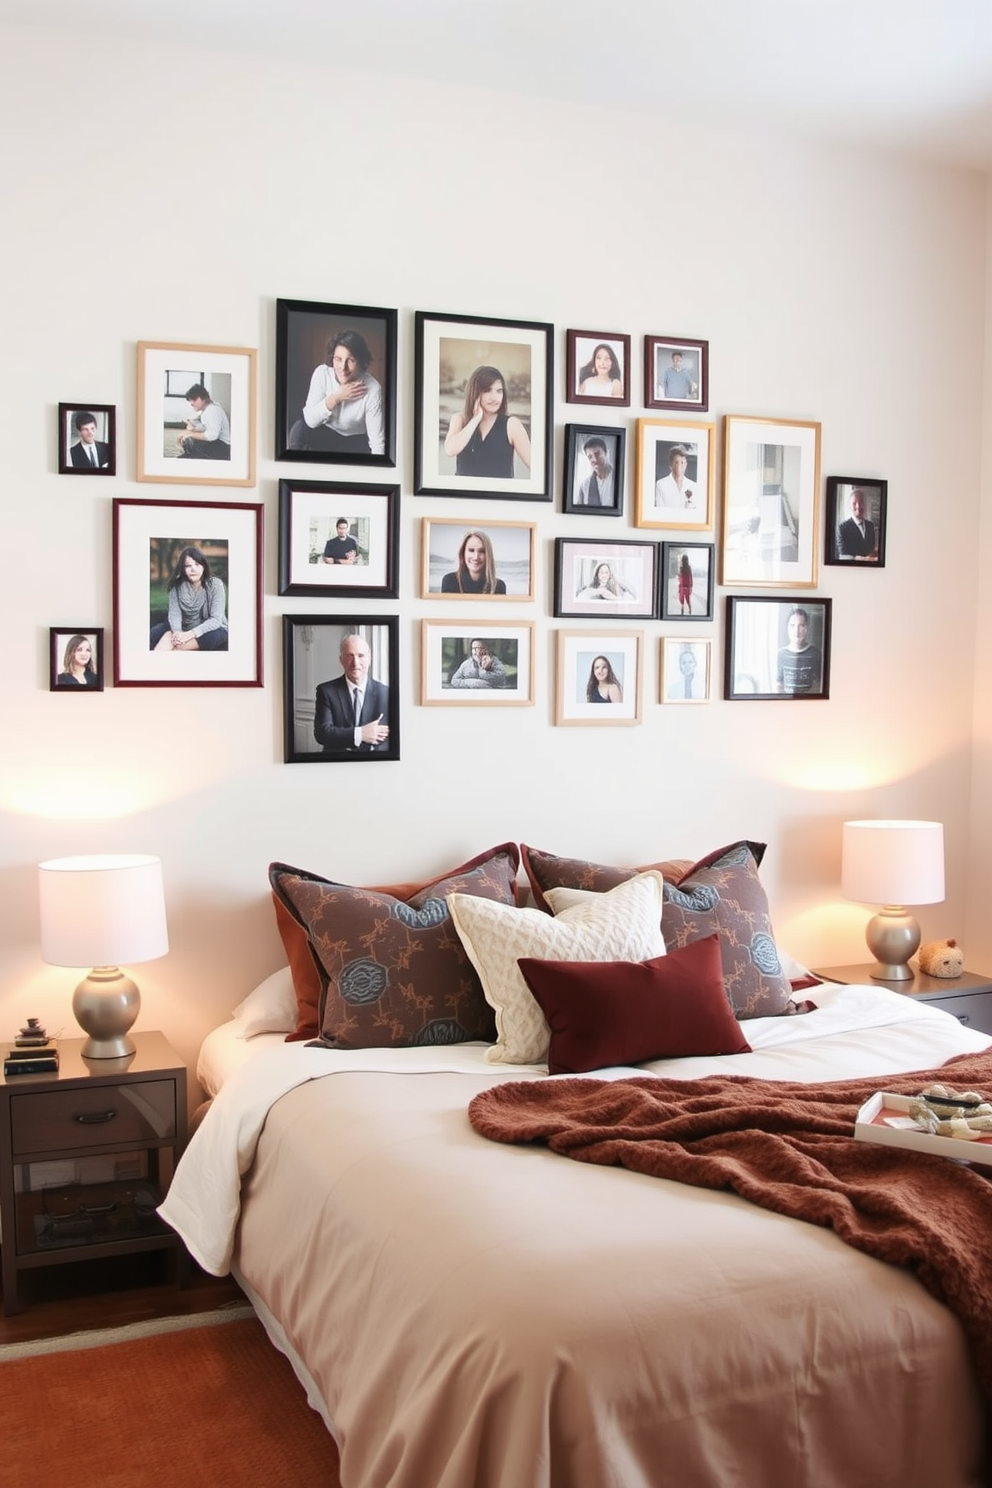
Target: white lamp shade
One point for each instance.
(893, 862)
(104, 910)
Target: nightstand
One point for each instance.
(968, 996)
(86, 1155)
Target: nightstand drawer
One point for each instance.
(973, 1011)
(105, 1116)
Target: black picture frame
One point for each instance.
(578, 470)
(660, 354)
(310, 513)
(846, 544)
(450, 350)
(580, 358)
(304, 342)
(311, 663)
(73, 418)
(757, 645)
(676, 597)
(63, 644)
(629, 592)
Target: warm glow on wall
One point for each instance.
(83, 793)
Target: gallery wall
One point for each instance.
(173, 195)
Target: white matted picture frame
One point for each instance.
(482, 560)
(605, 579)
(685, 670)
(675, 472)
(491, 665)
(599, 678)
(771, 502)
(196, 413)
(338, 539)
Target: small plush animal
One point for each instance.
(941, 958)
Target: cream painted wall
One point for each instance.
(173, 195)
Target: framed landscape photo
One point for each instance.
(196, 414)
(336, 538)
(856, 521)
(187, 594)
(777, 648)
(75, 658)
(687, 580)
(599, 677)
(771, 502)
(597, 368)
(606, 578)
(595, 456)
(87, 439)
(487, 560)
(326, 660)
(335, 383)
(674, 475)
(676, 373)
(685, 670)
(483, 407)
(490, 666)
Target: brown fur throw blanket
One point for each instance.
(788, 1147)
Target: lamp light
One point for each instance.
(892, 863)
(99, 911)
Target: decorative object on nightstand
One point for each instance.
(893, 863)
(941, 958)
(100, 911)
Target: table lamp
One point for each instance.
(99, 911)
(892, 863)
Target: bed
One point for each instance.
(471, 1315)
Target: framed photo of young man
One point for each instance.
(594, 470)
(606, 578)
(676, 373)
(87, 439)
(491, 666)
(336, 538)
(483, 407)
(855, 525)
(687, 580)
(675, 468)
(75, 658)
(340, 688)
(685, 670)
(196, 414)
(490, 560)
(599, 677)
(771, 502)
(335, 383)
(777, 648)
(597, 368)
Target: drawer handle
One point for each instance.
(95, 1118)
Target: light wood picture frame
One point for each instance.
(465, 664)
(599, 678)
(675, 473)
(771, 502)
(192, 402)
(489, 561)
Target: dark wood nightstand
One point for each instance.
(86, 1155)
(968, 996)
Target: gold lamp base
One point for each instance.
(105, 1005)
(893, 936)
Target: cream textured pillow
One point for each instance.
(623, 924)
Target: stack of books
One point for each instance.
(32, 1052)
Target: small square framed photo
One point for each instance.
(674, 475)
(606, 578)
(771, 502)
(599, 677)
(685, 670)
(597, 368)
(777, 648)
(594, 469)
(687, 580)
(855, 527)
(75, 659)
(338, 539)
(87, 439)
(327, 659)
(676, 373)
(335, 383)
(491, 666)
(196, 414)
(490, 560)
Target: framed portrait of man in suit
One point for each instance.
(856, 521)
(341, 688)
(87, 439)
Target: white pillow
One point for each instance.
(270, 1008)
(621, 925)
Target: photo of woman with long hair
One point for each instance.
(77, 664)
(602, 375)
(197, 618)
(475, 571)
(484, 436)
(603, 685)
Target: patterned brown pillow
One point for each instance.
(392, 971)
(720, 894)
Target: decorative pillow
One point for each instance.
(621, 925)
(621, 1012)
(306, 970)
(545, 871)
(270, 1007)
(393, 971)
(722, 893)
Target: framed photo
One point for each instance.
(687, 581)
(483, 407)
(674, 475)
(606, 578)
(196, 414)
(855, 526)
(327, 659)
(87, 439)
(338, 539)
(490, 560)
(187, 594)
(594, 467)
(676, 373)
(75, 658)
(491, 667)
(777, 648)
(599, 677)
(597, 368)
(335, 383)
(771, 486)
(685, 670)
